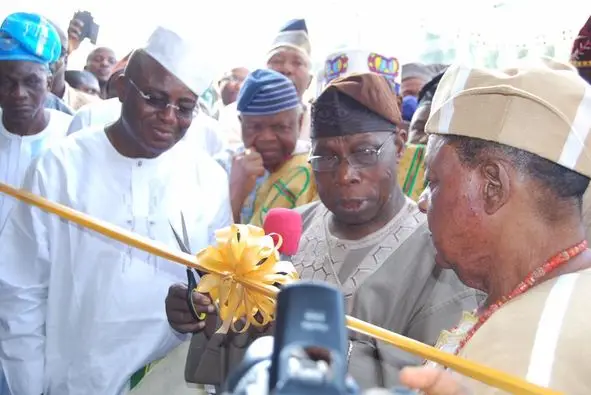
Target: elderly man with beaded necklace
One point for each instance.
(503, 203)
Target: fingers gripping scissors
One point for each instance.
(191, 280)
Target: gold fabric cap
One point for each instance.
(543, 108)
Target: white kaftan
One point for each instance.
(16, 152)
(79, 312)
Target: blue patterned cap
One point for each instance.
(267, 92)
(29, 37)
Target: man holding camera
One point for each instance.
(101, 60)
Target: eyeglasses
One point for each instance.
(161, 104)
(360, 159)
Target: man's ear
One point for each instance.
(497, 185)
(120, 87)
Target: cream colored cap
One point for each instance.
(543, 108)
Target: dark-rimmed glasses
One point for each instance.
(161, 104)
(360, 159)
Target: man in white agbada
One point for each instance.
(81, 313)
(26, 127)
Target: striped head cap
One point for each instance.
(293, 35)
(544, 109)
(267, 92)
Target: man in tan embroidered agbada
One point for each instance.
(508, 162)
(364, 236)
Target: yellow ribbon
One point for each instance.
(283, 272)
(243, 255)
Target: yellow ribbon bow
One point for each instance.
(244, 255)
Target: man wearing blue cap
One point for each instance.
(81, 314)
(28, 45)
(272, 169)
(289, 54)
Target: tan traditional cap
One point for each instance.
(544, 109)
(356, 103)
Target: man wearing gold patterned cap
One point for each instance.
(508, 162)
(364, 236)
(581, 52)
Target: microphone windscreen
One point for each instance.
(286, 223)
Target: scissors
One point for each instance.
(192, 281)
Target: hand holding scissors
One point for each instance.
(186, 309)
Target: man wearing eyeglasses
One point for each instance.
(363, 235)
(82, 314)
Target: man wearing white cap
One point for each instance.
(290, 54)
(508, 162)
(80, 313)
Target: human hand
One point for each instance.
(431, 381)
(246, 168)
(74, 34)
(178, 313)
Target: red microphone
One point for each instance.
(287, 224)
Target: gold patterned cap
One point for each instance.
(542, 108)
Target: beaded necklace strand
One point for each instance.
(534, 277)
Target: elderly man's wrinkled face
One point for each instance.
(23, 88)
(273, 136)
(356, 174)
(157, 107)
(292, 64)
(453, 202)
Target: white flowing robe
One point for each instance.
(17, 152)
(79, 312)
